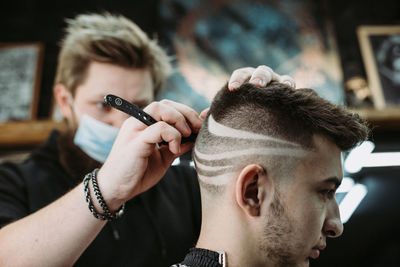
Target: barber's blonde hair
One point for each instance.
(108, 38)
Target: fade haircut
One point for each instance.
(272, 126)
(108, 38)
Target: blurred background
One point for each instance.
(348, 51)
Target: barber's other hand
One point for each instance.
(260, 76)
(136, 163)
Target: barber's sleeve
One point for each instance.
(13, 204)
(196, 200)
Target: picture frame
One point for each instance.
(20, 76)
(380, 51)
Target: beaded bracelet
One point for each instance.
(108, 215)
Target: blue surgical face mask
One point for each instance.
(95, 138)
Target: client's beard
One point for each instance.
(277, 241)
(76, 162)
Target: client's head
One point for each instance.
(269, 162)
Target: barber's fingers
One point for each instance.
(263, 75)
(191, 116)
(239, 76)
(169, 157)
(178, 115)
(203, 114)
(162, 131)
(260, 76)
(286, 79)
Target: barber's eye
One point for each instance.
(102, 105)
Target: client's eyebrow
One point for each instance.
(332, 180)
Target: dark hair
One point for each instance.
(293, 114)
(272, 126)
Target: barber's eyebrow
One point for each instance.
(332, 180)
(140, 103)
(137, 102)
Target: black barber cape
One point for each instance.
(199, 257)
(157, 229)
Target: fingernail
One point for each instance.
(187, 128)
(257, 81)
(288, 83)
(234, 85)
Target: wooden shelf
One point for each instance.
(27, 133)
(31, 133)
(388, 118)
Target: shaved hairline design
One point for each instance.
(212, 168)
(224, 131)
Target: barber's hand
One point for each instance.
(136, 163)
(260, 76)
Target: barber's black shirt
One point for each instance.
(157, 229)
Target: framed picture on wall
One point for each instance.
(20, 75)
(380, 50)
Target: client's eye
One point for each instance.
(328, 193)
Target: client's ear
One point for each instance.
(249, 189)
